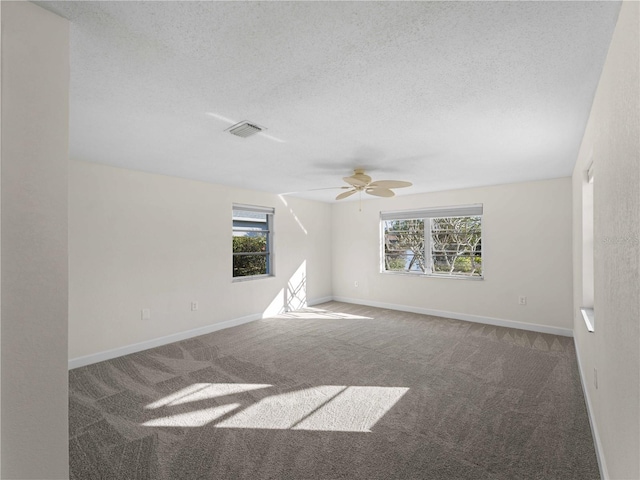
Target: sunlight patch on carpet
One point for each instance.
(204, 391)
(355, 409)
(322, 408)
(197, 418)
(310, 313)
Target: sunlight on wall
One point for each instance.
(322, 408)
(295, 217)
(297, 289)
(277, 305)
(293, 297)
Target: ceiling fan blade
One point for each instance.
(346, 194)
(390, 184)
(355, 181)
(380, 192)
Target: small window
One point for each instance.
(588, 278)
(443, 242)
(252, 241)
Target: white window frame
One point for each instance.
(427, 214)
(269, 253)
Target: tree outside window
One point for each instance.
(252, 242)
(433, 245)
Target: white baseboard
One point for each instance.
(320, 300)
(534, 327)
(157, 342)
(175, 337)
(602, 465)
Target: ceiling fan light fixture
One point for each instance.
(244, 129)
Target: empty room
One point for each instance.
(320, 240)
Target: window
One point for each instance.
(252, 241)
(587, 251)
(443, 242)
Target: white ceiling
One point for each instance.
(443, 94)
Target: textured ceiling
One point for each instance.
(443, 94)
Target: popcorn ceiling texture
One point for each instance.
(443, 94)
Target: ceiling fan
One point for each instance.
(361, 182)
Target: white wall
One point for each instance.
(139, 240)
(526, 241)
(35, 83)
(612, 140)
(0, 251)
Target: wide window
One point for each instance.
(444, 242)
(252, 241)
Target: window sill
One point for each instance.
(428, 275)
(251, 277)
(588, 315)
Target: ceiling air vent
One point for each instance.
(245, 129)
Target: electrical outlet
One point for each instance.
(194, 306)
(522, 300)
(146, 314)
(595, 378)
(356, 284)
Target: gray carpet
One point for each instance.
(336, 391)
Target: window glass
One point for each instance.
(431, 244)
(252, 244)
